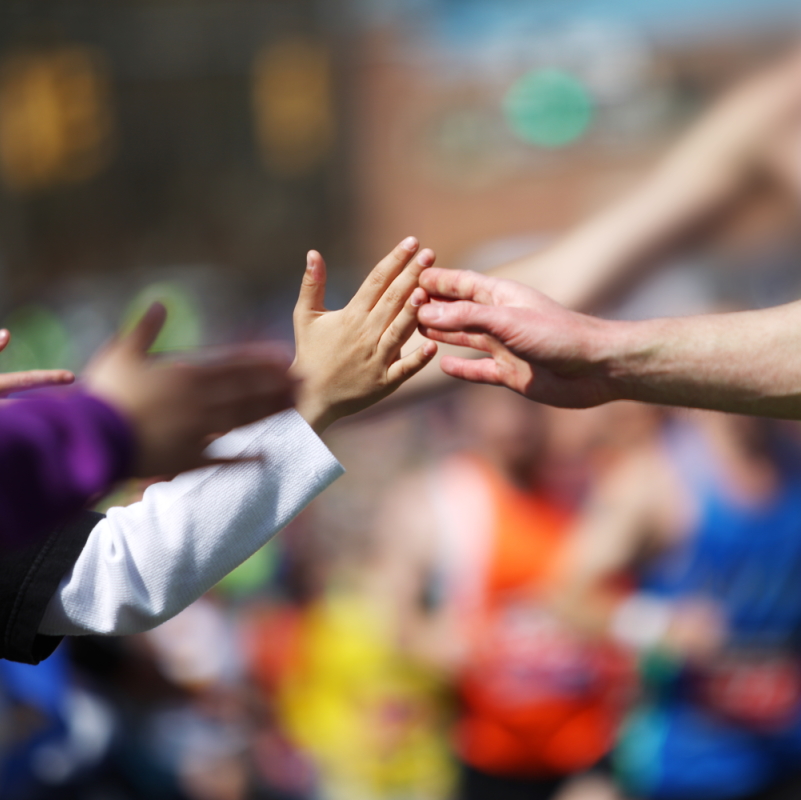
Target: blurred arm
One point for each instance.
(146, 562)
(709, 169)
(609, 537)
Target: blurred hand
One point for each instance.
(176, 407)
(537, 347)
(11, 382)
(350, 359)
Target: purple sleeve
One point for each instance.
(56, 453)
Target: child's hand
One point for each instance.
(350, 359)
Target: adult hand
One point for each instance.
(350, 359)
(536, 347)
(11, 382)
(177, 406)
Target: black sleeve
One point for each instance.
(31, 575)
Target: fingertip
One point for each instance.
(409, 244)
(315, 265)
(156, 310)
(419, 297)
(427, 258)
(430, 349)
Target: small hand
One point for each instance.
(536, 347)
(176, 407)
(11, 382)
(350, 359)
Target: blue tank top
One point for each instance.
(747, 558)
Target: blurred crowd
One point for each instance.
(500, 600)
(461, 626)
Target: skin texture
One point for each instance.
(176, 407)
(347, 360)
(563, 358)
(11, 382)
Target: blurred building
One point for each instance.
(149, 134)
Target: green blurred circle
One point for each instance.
(39, 340)
(184, 326)
(252, 575)
(548, 108)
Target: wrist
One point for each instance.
(625, 354)
(318, 415)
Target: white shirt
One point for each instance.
(146, 562)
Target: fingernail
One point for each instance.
(410, 244)
(426, 258)
(429, 349)
(418, 297)
(309, 262)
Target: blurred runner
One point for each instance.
(709, 516)
(470, 544)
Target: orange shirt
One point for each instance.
(538, 700)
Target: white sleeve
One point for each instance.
(146, 562)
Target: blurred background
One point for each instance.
(193, 151)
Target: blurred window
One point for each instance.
(55, 117)
(293, 106)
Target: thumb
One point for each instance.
(312, 289)
(146, 331)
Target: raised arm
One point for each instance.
(708, 170)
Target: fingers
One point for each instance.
(146, 331)
(312, 288)
(247, 388)
(477, 370)
(459, 285)
(477, 341)
(384, 273)
(393, 303)
(459, 316)
(406, 367)
(403, 326)
(35, 379)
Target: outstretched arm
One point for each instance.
(748, 363)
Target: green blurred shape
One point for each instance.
(39, 340)
(250, 576)
(548, 108)
(184, 327)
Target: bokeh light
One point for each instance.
(548, 108)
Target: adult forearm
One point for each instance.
(578, 270)
(746, 363)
